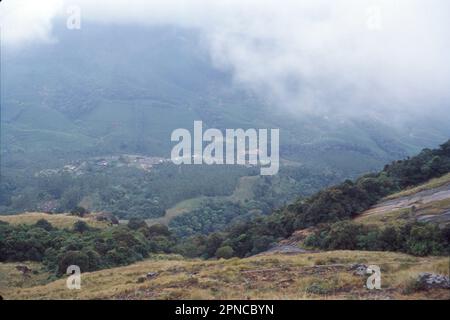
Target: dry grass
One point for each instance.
(323, 275)
(11, 278)
(57, 220)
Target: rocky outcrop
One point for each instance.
(148, 276)
(285, 249)
(433, 281)
(359, 269)
(437, 218)
(23, 269)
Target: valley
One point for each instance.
(404, 232)
(135, 150)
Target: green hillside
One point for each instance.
(63, 105)
(391, 218)
(64, 102)
(332, 210)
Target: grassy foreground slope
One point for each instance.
(322, 275)
(11, 277)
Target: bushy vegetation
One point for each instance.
(267, 194)
(210, 217)
(89, 248)
(245, 238)
(351, 198)
(334, 204)
(101, 248)
(130, 192)
(418, 239)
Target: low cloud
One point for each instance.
(24, 21)
(348, 56)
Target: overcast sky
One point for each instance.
(345, 55)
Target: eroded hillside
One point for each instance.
(429, 202)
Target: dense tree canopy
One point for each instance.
(87, 247)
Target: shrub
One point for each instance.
(415, 238)
(136, 223)
(318, 288)
(77, 258)
(80, 227)
(79, 211)
(343, 235)
(44, 224)
(225, 252)
(158, 230)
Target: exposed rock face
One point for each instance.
(418, 203)
(24, 269)
(286, 249)
(439, 218)
(359, 269)
(433, 281)
(151, 275)
(148, 276)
